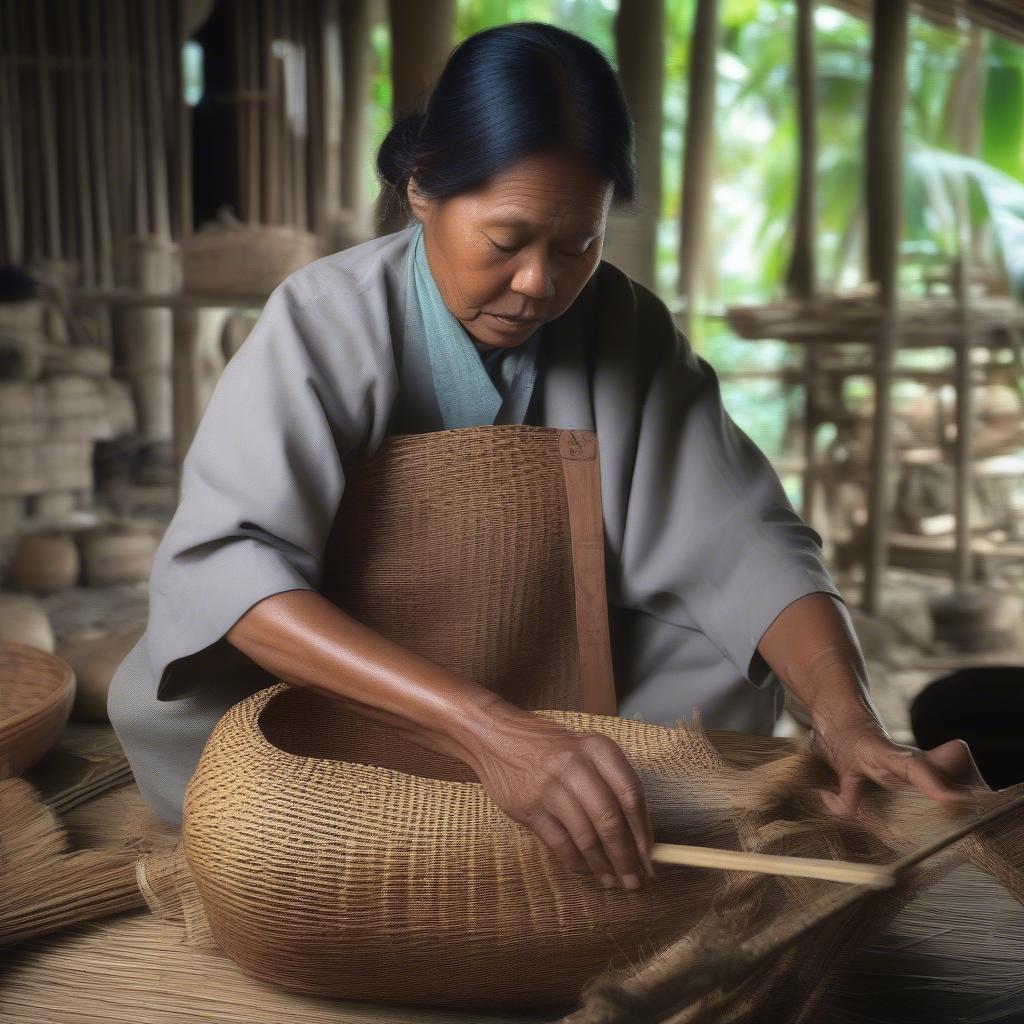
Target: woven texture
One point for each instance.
(457, 545)
(338, 878)
(36, 693)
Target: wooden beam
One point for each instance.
(884, 186)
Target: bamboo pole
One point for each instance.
(155, 116)
(316, 93)
(242, 105)
(801, 279)
(257, 213)
(963, 574)
(271, 119)
(698, 156)
(48, 137)
(300, 96)
(884, 177)
(139, 173)
(184, 132)
(82, 166)
(356, 55)
(104, 231)
(9, 197)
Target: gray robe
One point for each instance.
(703, 550)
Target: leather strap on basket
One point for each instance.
(582, 472)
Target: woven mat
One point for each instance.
(137, 968)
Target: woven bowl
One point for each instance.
(344, 878)
(36, 693)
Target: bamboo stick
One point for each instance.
(141, 180)
(253, 163)
(271, 133)
(155, 116)
(104, 233)
(242, 103)
(300, 131)
(48, 138)
(877, 877)
(184, 126)
(13, 252)
(82, 167)
(883, 191)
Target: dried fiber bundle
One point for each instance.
(322, 872)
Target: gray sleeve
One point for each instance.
(711, 542)
(261, 481)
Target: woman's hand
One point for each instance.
(862, 752)
(576, 791)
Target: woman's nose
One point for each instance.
(533, 278)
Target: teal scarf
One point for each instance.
(467, 393)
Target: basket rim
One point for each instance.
(250, 712)
(60, 692)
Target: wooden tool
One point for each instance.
(875, 876)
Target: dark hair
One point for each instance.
(507, 92)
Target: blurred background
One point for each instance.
(832, 206)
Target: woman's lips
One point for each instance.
(513, 321)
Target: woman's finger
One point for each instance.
(554, 836)
(625, 784)
(609, 821)
(574, 818)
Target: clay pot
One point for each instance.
(45, 563)
(24, 621)
(116, 554)
(95, 654)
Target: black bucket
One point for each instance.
(983, 706)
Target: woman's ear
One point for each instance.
(418, 202)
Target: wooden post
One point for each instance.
(631, 241)
(104, 233)
(48, 138)
(963, 573)
(421, 39)
(356, 57)
(155, 116)
(83, 166)
(698, 155)
(884, 183)
(801, 279)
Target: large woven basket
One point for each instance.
(36, 693)
(330, 876)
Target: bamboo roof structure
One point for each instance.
(1003, 16)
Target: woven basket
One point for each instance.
(244, 260)
(36, 694)
(347, 879)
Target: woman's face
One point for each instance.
(522, 245)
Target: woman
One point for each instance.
(495, 307)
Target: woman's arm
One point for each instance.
(577, 791)
(812, 647)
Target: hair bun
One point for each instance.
(396, 157)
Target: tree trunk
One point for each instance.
(697, 160)
(631, 241)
